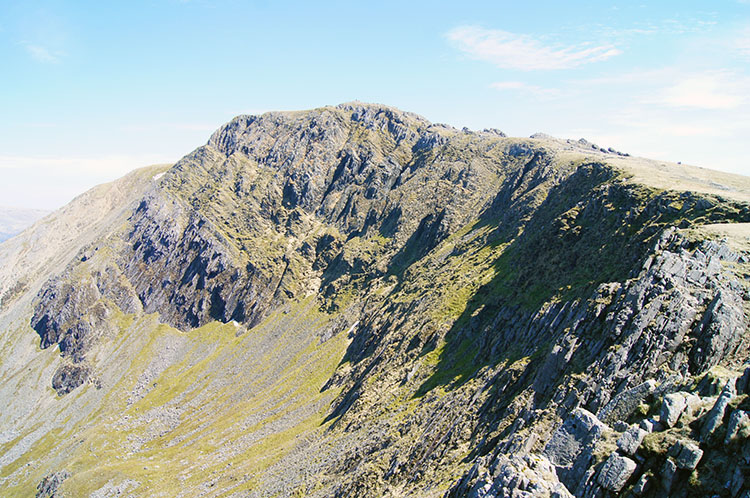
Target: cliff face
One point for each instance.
(353, 301)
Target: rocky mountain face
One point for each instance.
(353, 301)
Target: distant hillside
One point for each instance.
(14, 220)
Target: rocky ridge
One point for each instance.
(387, 307)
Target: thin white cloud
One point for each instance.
(678, 87)
(706, 91)
(45, 182)
(83, 166)
(524, 88)
(513, 51)
(42, 54)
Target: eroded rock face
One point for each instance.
(261, 214)
(530, 476)
(76, 309)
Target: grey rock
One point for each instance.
(615, 472)
(630, 440)
(668, 472)
(693, 405)
(514, 476)
(626, 402)
(671, 408)
(580, 429)
(68, 377)
(651, 425)
(620, 426)
(495, 131)
(738, 426)
(47, 487)
(688, 455)
(716, 414)
(560, 491)
(722, 330)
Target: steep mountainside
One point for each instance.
(352, 301)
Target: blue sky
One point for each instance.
(91, 90)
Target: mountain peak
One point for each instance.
(353, 301)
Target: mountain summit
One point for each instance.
(353, 301)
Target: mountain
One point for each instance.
(14, 220)
(353, 301)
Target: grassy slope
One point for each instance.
(227, 405)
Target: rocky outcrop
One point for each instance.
(266, 212)
(47, 488)
(530, 476)
(73, 311)
(69, 377)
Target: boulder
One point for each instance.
(615, 472)
(693, 405)
(738, 426)
(671, 408)
(716, 415)
(630, 440)
(571, 447)
(626, 402)
(580, 429)
(651, 425)
(667, 474)
(687, 455)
